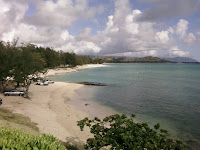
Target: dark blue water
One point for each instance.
(164, 93)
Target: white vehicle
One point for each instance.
(14, 92)
(42, 83)
(49, 81)
(39, 83)
(46, 83)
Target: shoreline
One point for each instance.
(91, 107)
(61, 71)
(56, 108)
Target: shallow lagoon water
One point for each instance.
(165, 93)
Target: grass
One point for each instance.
(17, 121)
(16, 139)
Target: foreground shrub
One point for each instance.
(16, 139)
(120, 132)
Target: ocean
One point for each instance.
(157, 93)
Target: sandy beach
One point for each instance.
(48, 107)
(59, 71)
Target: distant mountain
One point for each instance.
(148, 59)
(182, 60)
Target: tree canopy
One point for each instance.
(7, 55)
(120, 132)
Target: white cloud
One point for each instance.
(190, 39)
(52, 16)
(85, 47)
(181, 32)
(131, 26)
(175, 51)
(65, 35)
(162, 36)
(82, 47)
(123, 33)
(122, 8)
(11, 13)
(171, 30)
(181, 28)
(9, 36)
(109, 24)
(62, 13)
(126, 36)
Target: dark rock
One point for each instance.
(94, 83)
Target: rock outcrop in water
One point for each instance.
(94, 83)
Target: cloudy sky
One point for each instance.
(163, 28)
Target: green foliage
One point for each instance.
(27, 63)
(16, 139)
(148, 59)
(120, 132)
(7, 56)
(97, 60)
(70, 59)
(51, 57)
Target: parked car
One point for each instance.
(45, 83)
(42, 83)
(1, 101)
(39, 83)
(14, 92)
(50, 81)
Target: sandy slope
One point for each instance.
(48, 107)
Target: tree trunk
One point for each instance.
(17, 84)
(3, 86)
(1, 89)
(27, 84)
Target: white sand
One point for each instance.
(48, 108)
(75, 69)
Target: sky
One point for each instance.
(130, 28)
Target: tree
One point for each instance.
(51, 58)
(97, 61)
(120, 132)
(27, 65)
(7, 56)
(71, 59)
(62, 58)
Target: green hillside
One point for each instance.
(148, 59)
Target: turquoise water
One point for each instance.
(164, 93)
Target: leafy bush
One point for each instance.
(16, 139)
(120, 132)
